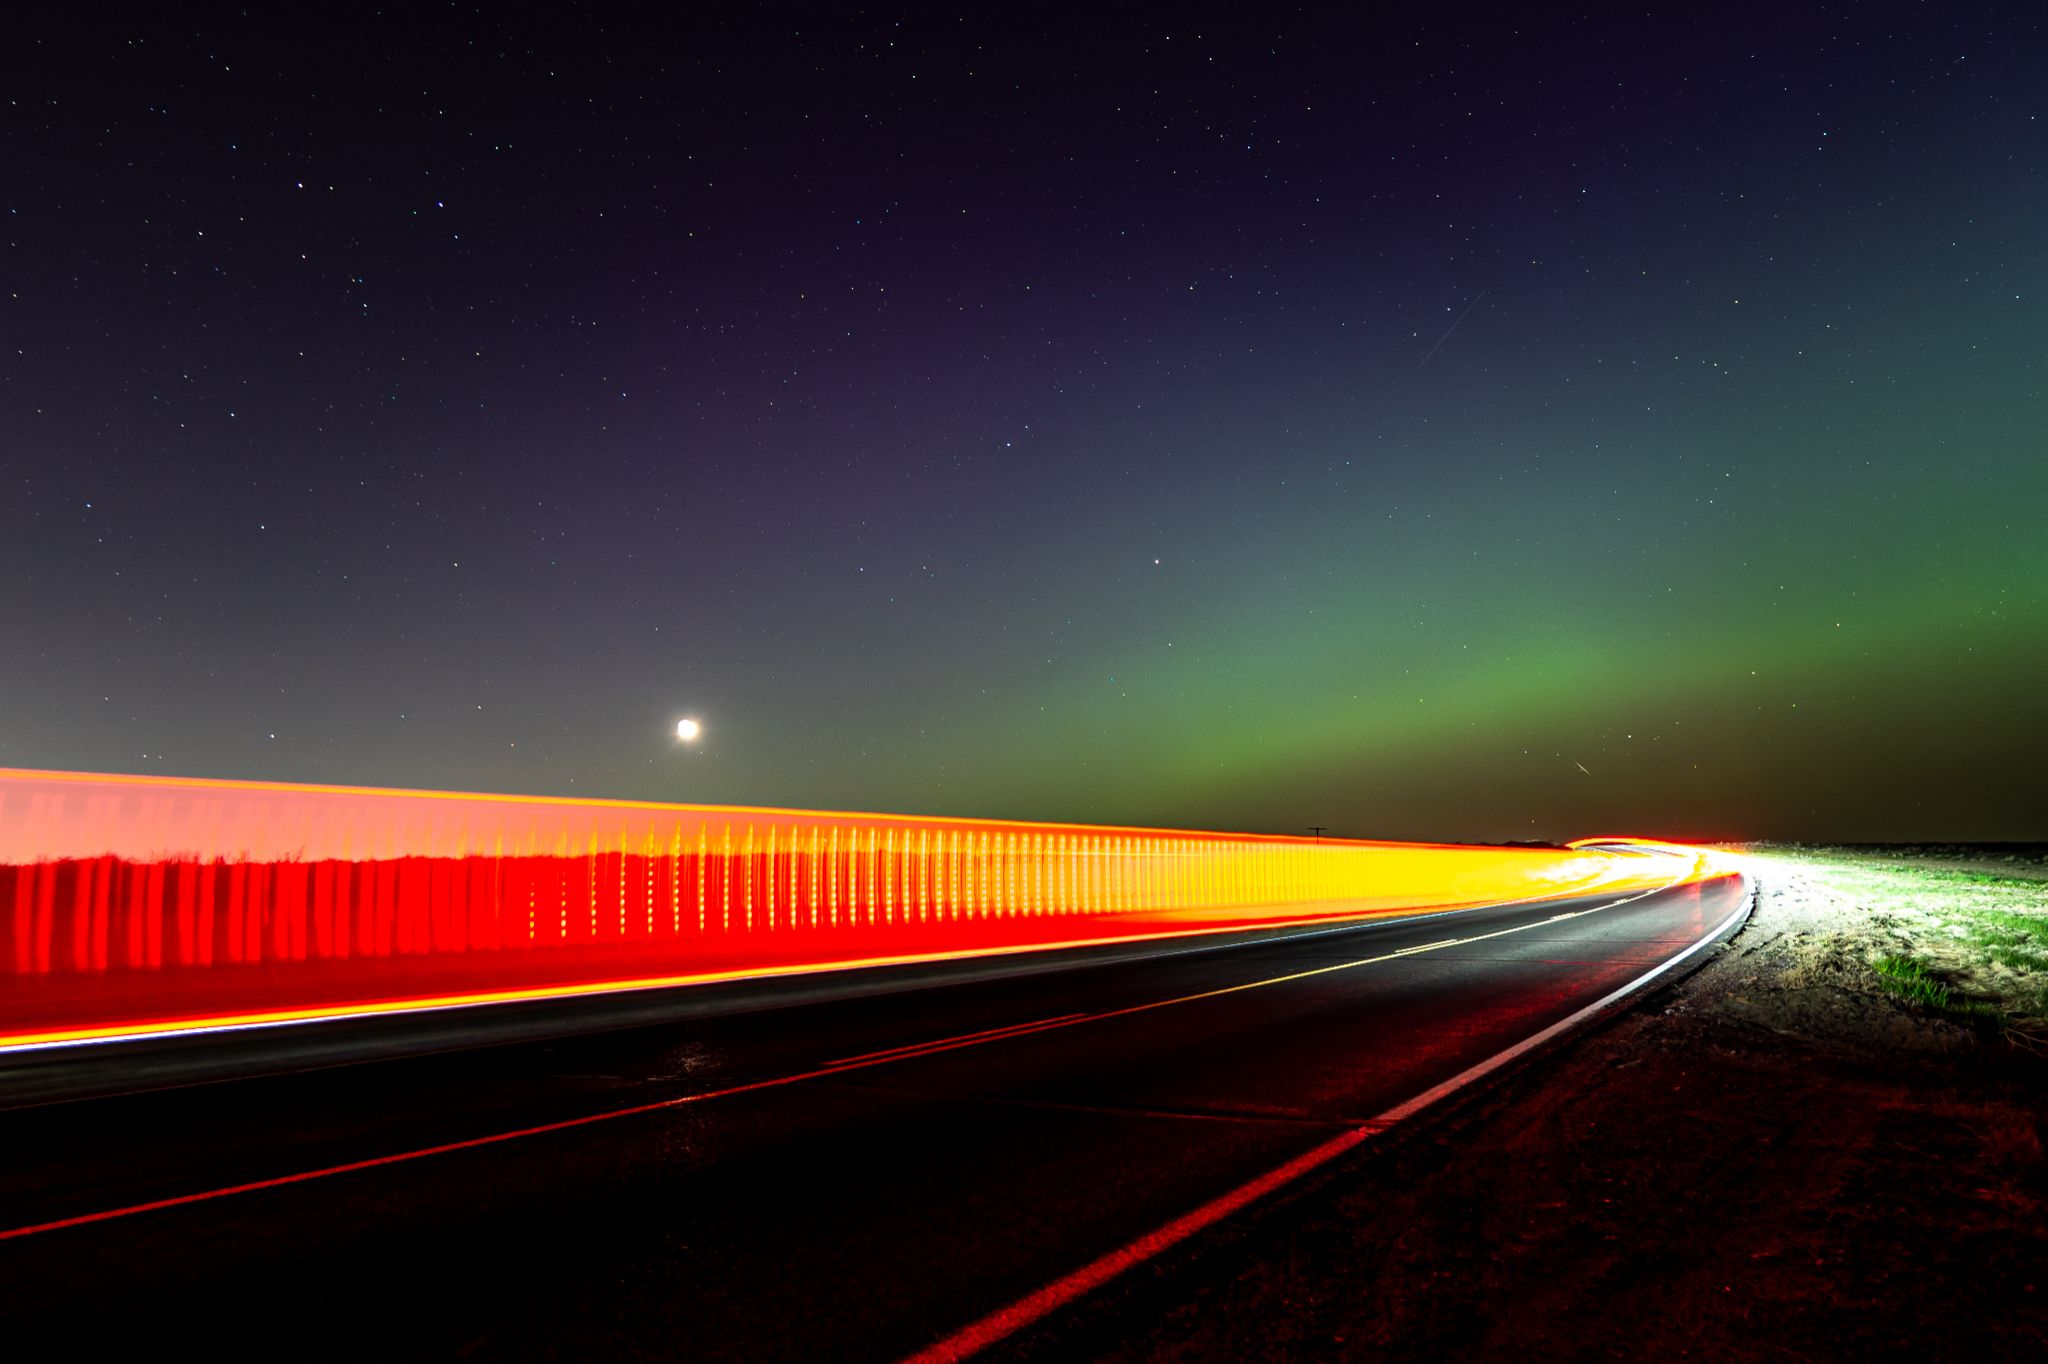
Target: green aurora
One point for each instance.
(1411, 427)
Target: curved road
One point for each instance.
(858, 1178)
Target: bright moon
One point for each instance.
(688, 730)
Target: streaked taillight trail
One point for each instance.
(134, 905)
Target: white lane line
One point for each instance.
(979, 1335)
(1075, 1020)
(986, 1034)
(828, 1070)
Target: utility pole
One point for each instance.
(1318, 830)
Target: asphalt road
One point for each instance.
(849, 1179)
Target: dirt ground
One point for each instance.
(1781, 1158)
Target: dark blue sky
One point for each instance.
(1440, 424)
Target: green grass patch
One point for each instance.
(2032, 928)
(2017, 941)
(2018, 958)
(1911, 981)
(1942, 876)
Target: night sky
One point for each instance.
(1426, 425)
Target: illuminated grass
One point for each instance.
(1913, 982)
(1968, 942)
(2018, 941)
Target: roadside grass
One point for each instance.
(1968, 943)
(1912, 981)
(2019, 941)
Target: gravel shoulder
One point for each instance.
(1794, 1153)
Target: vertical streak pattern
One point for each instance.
(128, 902)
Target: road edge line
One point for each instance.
(1026, 1311)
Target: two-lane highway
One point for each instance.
(852, 1179)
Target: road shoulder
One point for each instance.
(1775, 1158)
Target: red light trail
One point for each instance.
(932, 1046)
(134, 906)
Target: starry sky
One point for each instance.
(1430, 424)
